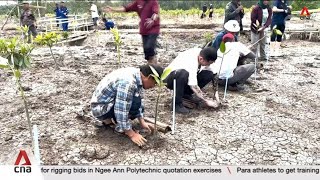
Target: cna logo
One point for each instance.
(304, 11)
(25, 167)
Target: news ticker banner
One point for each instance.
(169, 172)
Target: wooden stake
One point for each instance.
(162, 127)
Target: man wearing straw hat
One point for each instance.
(28, 19)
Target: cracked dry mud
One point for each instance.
(275, 121)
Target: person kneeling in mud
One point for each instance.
(227, 66)
(187, 68)
(109, 24)
(117, 99)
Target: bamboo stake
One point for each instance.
(36, 144)
(162, 127)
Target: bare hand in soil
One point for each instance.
(147, 126)
(138, 139)
(149, 23)
(216, 95)
(212, 104)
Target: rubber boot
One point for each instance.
(272, 49)
(278, 49)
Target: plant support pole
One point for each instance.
(225, 89)
(174, 106)
(36, 144)
(118, 51)
(255, 64)
(156, 113)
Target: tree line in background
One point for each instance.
(83, 6)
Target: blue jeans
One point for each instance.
(133, 112)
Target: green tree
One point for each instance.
(16, 55)
(48, 39)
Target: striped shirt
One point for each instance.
(117, 89)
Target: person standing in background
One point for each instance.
(57, 12)
(94, 14)
(234, 11)
(28, 19)
(262, 14)
(211, 11)
(64, 16)
(280, 11)
(204, 10)
(148, 11)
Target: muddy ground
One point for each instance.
(274, 121)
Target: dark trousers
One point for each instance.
(133, 112)
(275, 37)
(65, 25)
(182, 87)
(210, 14)
(240, 75)
(95, 21)
(149, 44)
(32, 31)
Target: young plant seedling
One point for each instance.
(24, 30)
(159, 80)
(65, 34)
(208, 37)
(215, 82)
(117, 41)
(48, 39)
(16, 57)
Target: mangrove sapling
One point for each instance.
(222, 49)
(208, 37)
(159, 80)
(117, 41)
(25, 35)
(17, 57)
(48, 39)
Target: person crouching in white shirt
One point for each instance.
(190, 77)
(236, 75)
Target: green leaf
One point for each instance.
(27, 62)
(165, 74)
(154, 72)
(223, 47)
(156, 79)
(17, 73)
(20, 62)
(163, 84)
(3, 66)
(278, 32)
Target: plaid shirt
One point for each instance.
(117, 89)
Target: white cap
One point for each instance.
(232, 26)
